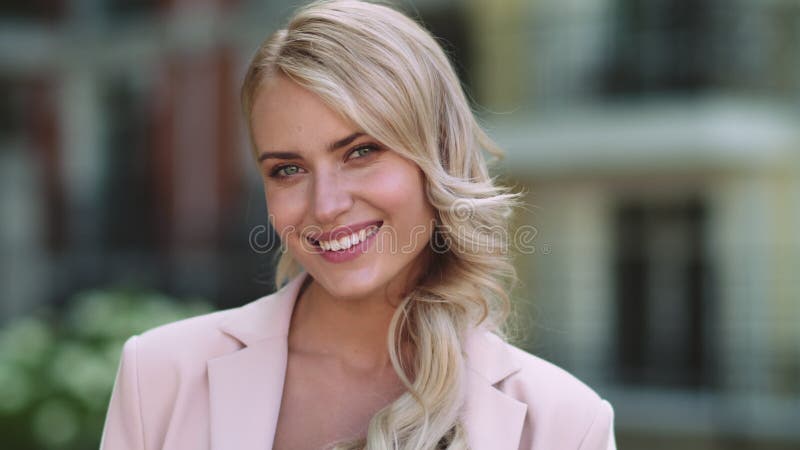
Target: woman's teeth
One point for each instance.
(348, 241)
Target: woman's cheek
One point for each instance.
(391, 183)
(286, 208)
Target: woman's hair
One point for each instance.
(389, 76)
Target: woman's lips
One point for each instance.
(348, 254)
(340, 232)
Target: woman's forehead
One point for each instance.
(285, 113)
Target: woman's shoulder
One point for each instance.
(514, 369)
(548, 382)
(189, 343)
(177, 352)
(185, 338)
(560, 407)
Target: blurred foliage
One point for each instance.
(57, 369)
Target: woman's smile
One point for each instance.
(346, 243)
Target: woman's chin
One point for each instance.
(351, 290)
(351, 286)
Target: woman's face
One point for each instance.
(329, 185)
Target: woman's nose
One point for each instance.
(331, 197)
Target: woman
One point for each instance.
(386, 334)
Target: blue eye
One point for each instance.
(362, 151)
(285, 171)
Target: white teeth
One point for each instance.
(348, 241)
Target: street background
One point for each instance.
(657, 141)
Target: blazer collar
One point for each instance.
(267, 317)
(246, 386)
(492, 419)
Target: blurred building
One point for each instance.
(124, 158)
(660, 145)
(658, 141)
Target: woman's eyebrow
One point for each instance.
(290, 155)
(345, 141)
(277, 155)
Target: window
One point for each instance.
(663, 284)
(32, 10)
(661, 45)
(123, 9)
(129, 204)
(448, 24)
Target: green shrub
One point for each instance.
(57, 370)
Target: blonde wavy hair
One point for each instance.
(388, 75)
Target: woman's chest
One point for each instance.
(323, 404)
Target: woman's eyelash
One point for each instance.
(275, 170)
(372, 147)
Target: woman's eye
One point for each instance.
(285, 171)
(362, 151)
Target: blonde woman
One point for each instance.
(385, 333)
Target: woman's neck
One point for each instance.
(354, 331)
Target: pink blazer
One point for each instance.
(216, 381)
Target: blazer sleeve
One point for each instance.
(600, 435)
(123, 428)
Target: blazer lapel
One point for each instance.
(246, 386)
(245, 395)
(492, 419)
